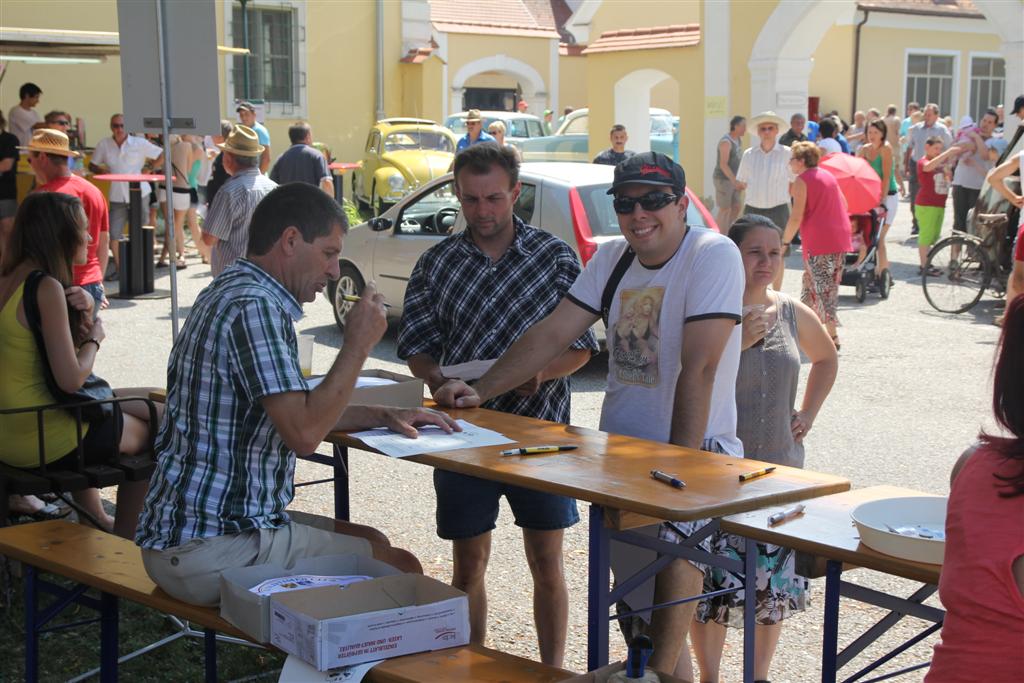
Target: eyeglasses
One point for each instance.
(117, 125)
(649, 202)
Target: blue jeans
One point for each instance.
(95, 290)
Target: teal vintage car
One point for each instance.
(571, 141)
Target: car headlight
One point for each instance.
(397, 183)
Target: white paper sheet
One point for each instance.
(314, 382)
(431, 440)
(468, 371)
(297, 671)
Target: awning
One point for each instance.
(59, 46)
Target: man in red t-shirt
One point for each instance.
(48, 154)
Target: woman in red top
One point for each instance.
(820, 214)
(982, 582)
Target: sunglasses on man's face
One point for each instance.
(117, 125)
(649, 202)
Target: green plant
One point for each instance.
(352, 213)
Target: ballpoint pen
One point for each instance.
(352, 298)
(668, 479)
(780, 517)
(534, 450)
(756, 473)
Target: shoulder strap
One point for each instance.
(623, 264)
(30, 301)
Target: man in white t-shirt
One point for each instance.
(673, 343)
(23, 115)
(121, 153)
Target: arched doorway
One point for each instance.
(633, 104)
(534, 91)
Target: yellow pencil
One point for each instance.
(756, 473)
(351, 298)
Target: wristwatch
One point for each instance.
(90, 339)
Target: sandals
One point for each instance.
(45, 513)
(161, 264)
(180, 264)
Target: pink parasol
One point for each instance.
(858, 182)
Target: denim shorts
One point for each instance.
(468, 506)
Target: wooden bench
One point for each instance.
(113, 565)
(41, 480)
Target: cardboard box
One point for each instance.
(604, 673)
(251, 612)
(407, 392)
(377, 619)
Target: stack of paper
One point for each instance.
(431, 440)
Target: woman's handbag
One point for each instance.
(93, 389)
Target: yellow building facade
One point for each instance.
(318, 60)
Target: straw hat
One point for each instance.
(473, 115)
(242, 142)
(50, 141)
(768, 117)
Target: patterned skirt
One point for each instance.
(780, 590)
(821, 285)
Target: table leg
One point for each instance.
(135, 246)
(210, 663)
(749, 607)
(31, 627)
(341, 500)
(339, 188)
(830, 637)
(108, 638)
(598, 596)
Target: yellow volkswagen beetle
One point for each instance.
(401, 154)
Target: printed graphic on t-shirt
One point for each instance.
(635, 336)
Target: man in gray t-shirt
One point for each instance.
(916, 137)
(303, 163)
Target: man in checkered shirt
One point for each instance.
(469, 298)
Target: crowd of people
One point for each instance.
(704, 351)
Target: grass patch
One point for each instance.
(69, 653)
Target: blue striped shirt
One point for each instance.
(222, 467)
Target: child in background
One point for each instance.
(967, 127)
(933, 181)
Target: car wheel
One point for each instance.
(350, 282)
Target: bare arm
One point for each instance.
(303, 418)
(209, 240)
(70, 366)
(998, 175)
(103, 250)
(703, 343)
(798, 189)
(886, 170)
(265, 159)
(327, 185)
(815, 343)
(534, 351)
(424, 366)
(6, 164)
(401, 420)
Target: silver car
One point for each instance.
(569, 200)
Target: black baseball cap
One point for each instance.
(245, 105)
(649, 168)
(1018, 104)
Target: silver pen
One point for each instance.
(780, 517)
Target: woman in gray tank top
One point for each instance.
(776, 329)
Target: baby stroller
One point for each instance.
(861, 265)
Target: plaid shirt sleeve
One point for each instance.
(568, 271)
(419, 332)
(261, 349)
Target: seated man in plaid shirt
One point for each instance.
(469, 298)
(238, 410)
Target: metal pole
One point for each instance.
(245, 44)
(165, 106)
(380, 60)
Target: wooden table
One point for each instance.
(612, 473)
(135, 273)
(825, 530)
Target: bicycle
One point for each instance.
(960, 268)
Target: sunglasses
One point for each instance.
(117, 125)
(649, 202)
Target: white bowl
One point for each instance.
(916, 517)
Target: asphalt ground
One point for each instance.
(913, 391)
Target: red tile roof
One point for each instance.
(950, 8)
(530, 18)
(567, 50)
(655, 37)
(418, 55)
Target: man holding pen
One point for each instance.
(469, 298)
(673, 341)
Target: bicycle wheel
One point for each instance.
(957, 273)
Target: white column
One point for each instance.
(716, 83)
(456, 100)
(1013, 53)
(552, 98)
